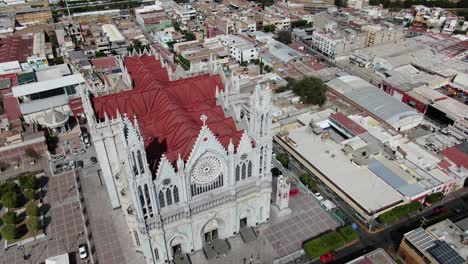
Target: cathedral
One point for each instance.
(184, 156)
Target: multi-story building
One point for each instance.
(444, 242)
(240, 49)
(184, 172)
(382, 33)
(337, 45)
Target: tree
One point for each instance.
(100, 54)
(8, 232)
(284, 36)
(299, 23)
(311, 90)
(283, 158)
(29, 194)
(434, 197)
(32, 209)
(9, 200)
(28, 181)
(189, 36)
(307, 180)
(9, 218)
(8, 186)
(32, 223)
(269, 28)
(58, 60)
(30, 152)
(341, 3)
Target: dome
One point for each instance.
(55, 119)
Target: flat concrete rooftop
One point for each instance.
(364, 187)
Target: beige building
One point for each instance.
(382, 33)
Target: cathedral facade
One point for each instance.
(185, 158)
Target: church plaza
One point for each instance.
(280, 237)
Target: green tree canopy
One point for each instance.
(311, 90)
(269, 28)
(8, 232)
(283, 158)
(28, 181)
(284, 36)
(9, 200)
(29, 194)
(299, 23)
(8, 186)
(9, 218)
(32, 209)
(32, 223)
(341, 3)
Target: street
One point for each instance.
(386, 237)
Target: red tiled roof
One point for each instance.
(444, 164)
(345, 121)
(17, 47)
(10, 103)
(104, 63)
(457, 156)
(169, 112)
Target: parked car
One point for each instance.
(83, 251)
(325, 258)
(317, 195)
(458, 210)
(439, 209)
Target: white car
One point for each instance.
(83, 251)
(317, 195)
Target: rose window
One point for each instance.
(206, 170)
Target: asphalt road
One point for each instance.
(390, 238)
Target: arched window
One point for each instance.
(261, 125)
(156, 254)
(168, 197)
(249, 169)
(148, 199)
(244, 171)
(261, 159)
(176, 194)
(135, 170)
(161, 199)
(237, 173)
(140, 161)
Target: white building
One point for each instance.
(55, 86)
(240, 49)
(183, 178)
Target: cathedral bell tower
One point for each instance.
(260, 126)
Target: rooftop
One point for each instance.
(378, 256)
(372, 99)
(457, 154)
(349, 124)
(452, 236)
(359, 183)
(16, 48)
(169, 112)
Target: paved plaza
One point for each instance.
(64, 225)
(108, 227)
(281, 236)
(307, 220)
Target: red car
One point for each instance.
(325, 258)
(439, 209)
(293, 192)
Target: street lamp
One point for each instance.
(25, 256)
